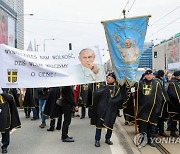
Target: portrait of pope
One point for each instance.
(130, 53)
(87, 71)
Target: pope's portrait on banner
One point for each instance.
(88, 71)
(130, 53)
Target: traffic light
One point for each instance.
(155, 54)
(70, 46)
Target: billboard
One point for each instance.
(11, 32)
(7, 29)
(173, 53)
(3, 28)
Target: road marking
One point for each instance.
(116, 147)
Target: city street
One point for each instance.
(118, 59)
(30, 139)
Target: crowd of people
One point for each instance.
(156, 97)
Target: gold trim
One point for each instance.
(148, 16)
(107, 127)
(2, 99)
(176, 91)
(154, 101)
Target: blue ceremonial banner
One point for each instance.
(125, 39)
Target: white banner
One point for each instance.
(26, 69)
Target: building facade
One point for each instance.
(166, 55)
(12, 23)
(146, 57)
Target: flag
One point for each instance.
(125, 38)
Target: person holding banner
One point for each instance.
(52, 109)
(88, 71)
(68, 104)
(9, 117)
(129, 53)
(106, 101)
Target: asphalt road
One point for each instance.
(30, 139)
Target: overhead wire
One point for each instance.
(45, 35)
(161, 19)
(164, 27)
(127, 13)
(131, 7)
(164, 16)
(124, 8)
(76, 22)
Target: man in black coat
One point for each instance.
(52, 109)
(68, 104)
(92, 87)
(160, 124)
(9, 117)
(31, 102)
(149, 105)
(174, 106)
(83, 99)
(106, 102)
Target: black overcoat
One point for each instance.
(51, 108)
(9, 117)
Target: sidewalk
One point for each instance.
(129, 133)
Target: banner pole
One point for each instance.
(134, 101)
(135, 105)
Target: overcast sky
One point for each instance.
(79, 21)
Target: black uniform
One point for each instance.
(67, 109)
(174, 106)
(83, 99)
(164, 111)
(30, 101)
(52, 109)
(128, 104)
(149, 106)
(106, 101)
(9, 117)
(92, 87)
(13, 92)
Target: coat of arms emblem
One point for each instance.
(12, 75)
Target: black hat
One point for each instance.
(112, 75)
(148, 72)
(155, 73)
(177, 73)
(160, 73)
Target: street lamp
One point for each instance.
(45, 41)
